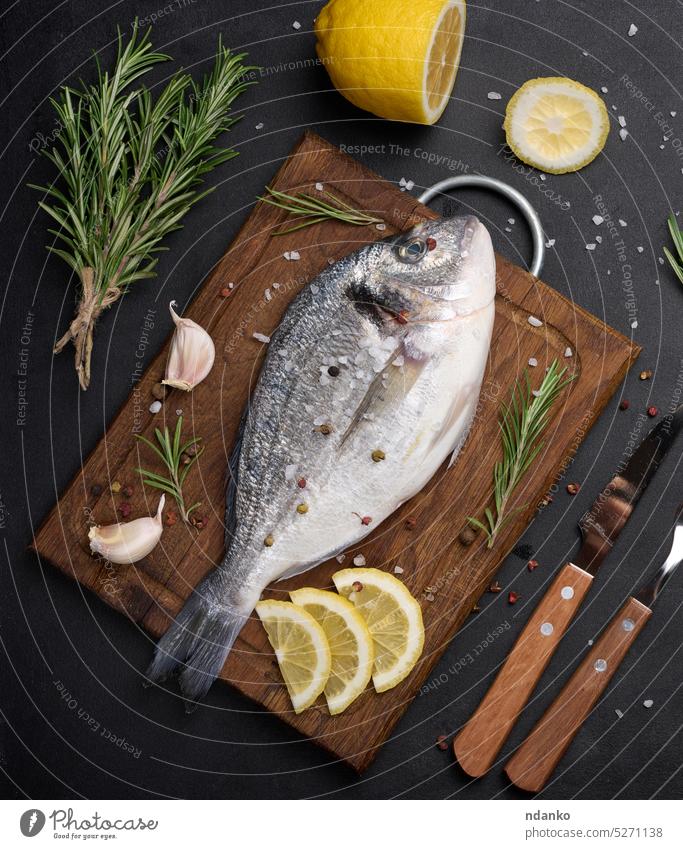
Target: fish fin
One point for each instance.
(199, 640)
(465, 433)
(401, 381)
(231, 487)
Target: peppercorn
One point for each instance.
(573, 488)
(378, 455)
(159, 391)
(225, 293)
(357, 586)
(124, 509)
(325, 429)
(624, 405)
(495, 587)
(268, 541)
(171, 518)
(302, 508)
(442, 742)
(645, 375)
(512, 597)
(116, 487)
(652, 412)
(467, 535)
(531, 565)
(301, 483)
(365, 520)
(333, 371)
(96, 490)
(410, 522)
(127, 491)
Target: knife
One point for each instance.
(535, 760)
(480, 740)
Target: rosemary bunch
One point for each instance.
(677, 236)
(174, 456)
(522, 424)
(313, 210)
(130, 167)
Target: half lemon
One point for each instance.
(393, 617)
(350, 643)
(301, 650)
(556, 124)
(395, 58)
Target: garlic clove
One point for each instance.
(192, 354)
(128, 542)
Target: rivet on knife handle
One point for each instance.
(535, 760)
(477, 745)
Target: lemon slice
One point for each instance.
(556, 124)
(350, 642)
(396, 59)
(301, 649)
(393, 617)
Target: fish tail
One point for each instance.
(199, 640)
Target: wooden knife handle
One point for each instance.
(477, 745)
(535, 760)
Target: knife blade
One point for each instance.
(478, 743)
(536, 759)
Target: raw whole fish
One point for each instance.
(370, 382)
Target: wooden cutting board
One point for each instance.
(446, 576)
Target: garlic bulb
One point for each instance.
(192, 354)
(128, 542)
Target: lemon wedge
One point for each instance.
(556, 124)
(301, 650)
(393, 617)
(350, 644)
(395, 58)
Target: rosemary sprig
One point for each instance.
(677, 236)
(522, 424)
(171, 454)
(130, 167)
(313, 210)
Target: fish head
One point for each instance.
(440, 269)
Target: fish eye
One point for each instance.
(412, 251)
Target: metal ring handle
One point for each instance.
(511, 194)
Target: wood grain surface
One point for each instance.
(535, 760)
(446, 576)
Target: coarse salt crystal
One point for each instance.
(640, 249)
(604, 89)
(618, 713)
(494, 95)
(398, 570)
(259, 126)
(380, 226)
(634, 324)
(314, 289)
(511, 220)
(291, 255)
(598, 239)
(622, 223)
(598, 219)
(155, 406)
(622, 121)
(399, 361)
(508, 229)
(261, 337)
(535, 393)
(550, 243)
(648, 703)
(340, 558)
(290, 472)
(296, 25)
(568, 352)
(623, 134)
(632, 30)
(319, 187)
(533, 362)
(276, 285)
(267, 295)
(590, 246)
(534, 322)
(660, 260)
(359, 560)
(318, 420)
(543, 177)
